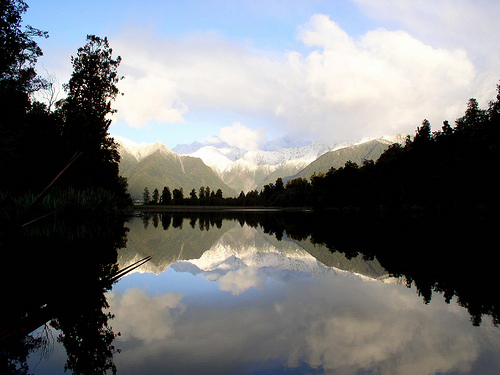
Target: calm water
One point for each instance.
(231, 296)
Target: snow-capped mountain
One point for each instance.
(246, 247)
(141, 150)
(155, 166)
(248, 170)
(214, 158)
(230, 247)
(243, 170)
(237, 257)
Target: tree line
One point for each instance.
(452, 168)
(48, 138)
(204, 196)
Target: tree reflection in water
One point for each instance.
(64, 281)
(449, 254)
(62, 271)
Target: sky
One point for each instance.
(252, 72)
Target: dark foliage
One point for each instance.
(36, 142)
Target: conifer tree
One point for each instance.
(91, 90)
(156, 196)
(166, 196)
(146, 196)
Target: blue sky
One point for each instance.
(247, 72)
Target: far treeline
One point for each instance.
(454, 168)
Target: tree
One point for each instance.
(91, 89)
(193, 194)
(178, 195)
(297, 192)
(241, 199)
(18, 51)
(202, 192)
(447, 129)
(51, 90)
(423, 134)
(218, 194)
(156, 196)
(146, 197)
(474, 116)
(166, 196)
(279, 185)
(18, 79)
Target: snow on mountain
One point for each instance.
(246, 170)
(388, 139)
(141, 150)
(244, 258)
(224, 159)
(214, 158)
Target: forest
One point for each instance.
(452, 169)
(55, 148)
(67, 141)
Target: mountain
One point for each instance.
(156, 166)
(231, 248)
(233, 170)
(248, 170)
(242, 247)
(357, 153)
(167, 240)
(251, 170)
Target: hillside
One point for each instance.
(155, 166)
(370, 150)
(233, 170)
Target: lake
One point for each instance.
(267, 293)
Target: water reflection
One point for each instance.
(255, 296)
(62, 271)
(432, 253)
(226, 292)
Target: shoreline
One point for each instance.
(182, 208)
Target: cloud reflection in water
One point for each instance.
(285, 319)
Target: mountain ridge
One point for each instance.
(155, 166)
(232, 170)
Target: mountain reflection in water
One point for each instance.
(259, 293)
(266, 293)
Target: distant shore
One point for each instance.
(182, 208)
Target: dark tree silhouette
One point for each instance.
(146, 196)
(86, 109)
(166, 196)
(156, 196)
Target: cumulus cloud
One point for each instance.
(341, 325)
(378, 83)
(464, 24)
(165, 77)
(238, 135)
(241, 280)
(383, 81)
(139, 316)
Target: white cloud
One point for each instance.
(379, 83)
(238, 135)
(341, 325)
(139, 316)
(464, 24)
(386, 81)
(241, 280)
(165, 78)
